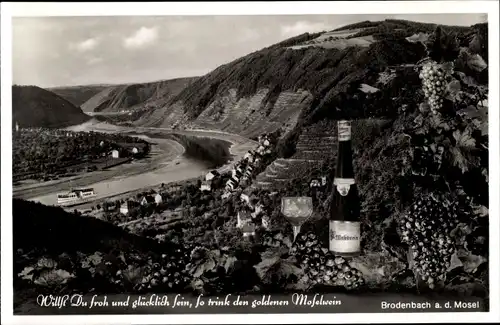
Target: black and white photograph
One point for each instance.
(196, 164)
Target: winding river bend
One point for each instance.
(167, 163)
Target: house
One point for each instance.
(243, 218)
(211, 175)
(248, 155)
(101, 143)
(266, 222)
(115, 154)
(147, 199)
(205, 186)
(323, 180)
(245, 198)
(127, 206)
(248, 230)
(230, 185)
(158, 198)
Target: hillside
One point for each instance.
(78, 95)
(40, 230)
(36, 107)
(133, 96)
(298, 79)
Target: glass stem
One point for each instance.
(296, 231)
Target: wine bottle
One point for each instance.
(345, 236)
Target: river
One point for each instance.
(167, 164)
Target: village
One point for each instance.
(45, 154)
(170, 206)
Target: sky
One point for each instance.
(68, 51)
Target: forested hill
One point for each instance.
(36, 107)
(304, 77)
(78, 95)
(135, 96)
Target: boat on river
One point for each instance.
(75, 197)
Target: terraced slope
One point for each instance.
(316, 145)
(301, 79)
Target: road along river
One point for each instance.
(166, 164)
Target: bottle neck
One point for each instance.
(344, 168)
(344, 131)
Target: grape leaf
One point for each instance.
(303, 284)
(479, 116)
(471, 262)
(447, 68)
(208, 262)
(485, 174)
(229, 263)
(464, 139)
(288, 242)
(275, 268)
(476, 62)
(469, 81)
(481, 211)
(46, 263)
(454, 262)
(27, 273)
(436, 122)
(51, 278)
(453, 87)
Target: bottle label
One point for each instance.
(345, 237)
(343, 185)
(344, 130)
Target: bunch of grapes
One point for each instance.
(433, 84)
(322, 267)
(168, 273)
(426, 228)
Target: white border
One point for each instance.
(255, 8)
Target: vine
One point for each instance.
(449, 148)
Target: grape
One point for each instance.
(322, 266)
(429, 240)
(433, 84)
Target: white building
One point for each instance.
(126, 207)
(135, 150)
(205, 186)
(211, 175)
(248, 230)
(245, 198)
(115, 153)
(158, 198)
(243, 218)
(266, 222)
(248, 155)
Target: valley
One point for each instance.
(202, 213)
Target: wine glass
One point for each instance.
(297, 210)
